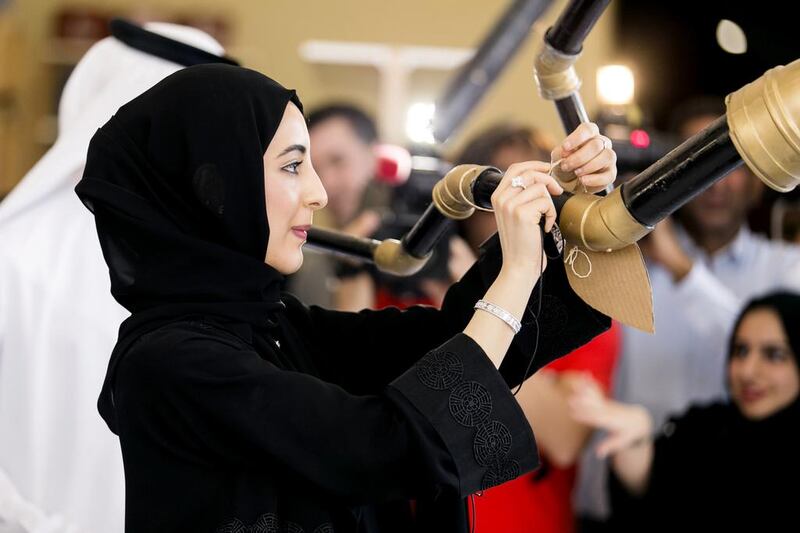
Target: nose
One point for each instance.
(748, 366)
(315, 196)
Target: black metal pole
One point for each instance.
(571, 112)
(422, 238)
(682, 174)
(574, 24)
(475, 78)
(566, 36)
(484, 186)
(340, 243)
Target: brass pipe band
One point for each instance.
(763, 118)
(452, 195)
(555, 74)
(600, 223)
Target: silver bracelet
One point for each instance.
(500, 313)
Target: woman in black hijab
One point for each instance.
(238, 408)
(724, 466)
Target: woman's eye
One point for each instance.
(775, 353)
(292, 167)
(739, 350)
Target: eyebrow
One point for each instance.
(295, 147)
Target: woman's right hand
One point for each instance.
(626, 424)
(518, 212)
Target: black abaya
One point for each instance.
(238, 408)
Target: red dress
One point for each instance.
(542, 500)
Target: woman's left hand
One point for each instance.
(626, 424)
(589, 155)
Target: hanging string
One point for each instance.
(554, 165)
(572, 257)
(540, 297)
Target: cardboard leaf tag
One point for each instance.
(615, 283)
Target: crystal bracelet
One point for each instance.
(500, 313)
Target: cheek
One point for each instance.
(787, 381)
(283, 200)
(734, 374)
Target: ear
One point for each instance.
(209, 188)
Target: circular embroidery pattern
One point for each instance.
(324, 528)
(266, 523)
(492, 443)
(440, 370)
(291, 527)
(234, 526)
(499, 473)
(470, 403)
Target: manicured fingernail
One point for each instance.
(578, 171)
(566, 146)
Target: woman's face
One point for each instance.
(293, 192)
(763, 372)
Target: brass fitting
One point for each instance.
(555, 74)
(600, 223)
(763, 121)
(452, 195)
(390, 257)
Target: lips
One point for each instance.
(750, 395)
(301, 232)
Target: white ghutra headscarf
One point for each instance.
(61, 468)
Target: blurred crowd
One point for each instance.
(695, 424)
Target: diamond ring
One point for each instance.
(518, 182)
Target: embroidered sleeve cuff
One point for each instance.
(458, 390)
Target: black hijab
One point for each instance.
(715, 466)
(176, 183)
(784, 422)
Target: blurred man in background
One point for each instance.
(343, 138)
(60, 467)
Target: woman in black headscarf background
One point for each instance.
(723, 466)
(240, 409)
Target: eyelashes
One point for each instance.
(291, 168)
